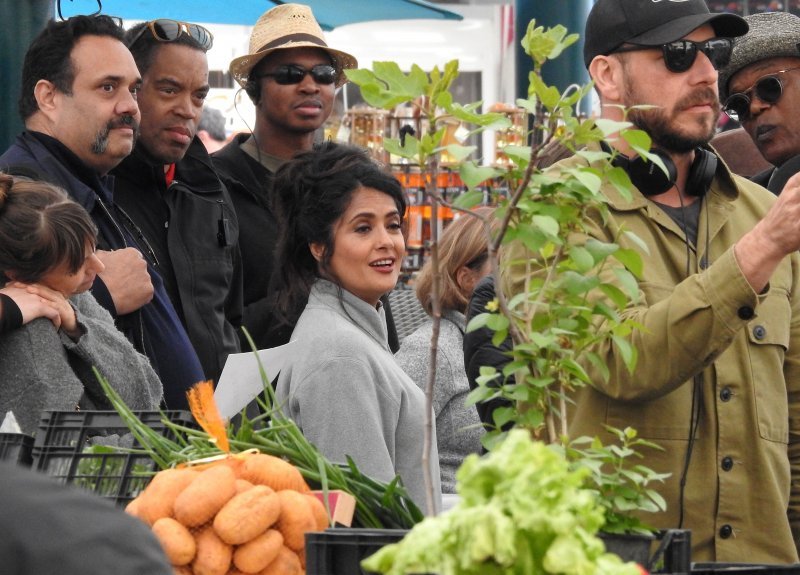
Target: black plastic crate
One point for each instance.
(67, 446)
(16, 448)
(744, 569)
(340, 550)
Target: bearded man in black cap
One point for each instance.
(761, 89)
(717, 381)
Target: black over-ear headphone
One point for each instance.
(650, 180)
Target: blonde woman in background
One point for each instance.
(463, 260)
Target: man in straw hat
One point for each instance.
(291, 75)
(761, 88)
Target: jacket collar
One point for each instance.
(194, 169)
(62, 165)
(351, 307)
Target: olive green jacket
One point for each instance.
(742, 491)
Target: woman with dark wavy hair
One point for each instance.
(47, 248)
(341, 248)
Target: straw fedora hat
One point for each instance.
(283, 27)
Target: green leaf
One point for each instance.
(477, 322)
(619, 178)
(531, 418)
(576, 283)
(616, 295)
(409, 86)
(473, 175)
(637, 240)
(626, 351)
(548, 95)
(631, 260)
(546, 224)
(497, 322)
(639, 140)
(459, 152)
(582, 258)
(600, 250)
(588, 179)
(628, 283)
(520, 154)
(528, 104)
(502, 415)
(409, 149)
(542, 340)
(609, 127)
(468, 200)
(499, 337)
(599, 364)
(478, 395)
(592, 156)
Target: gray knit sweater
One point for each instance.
(458, 427)
(347, 394)
(41, 368)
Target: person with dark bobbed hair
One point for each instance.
(47, 248)
(341, 247)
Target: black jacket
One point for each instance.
(155, 328)
(192, 228)
(250, 186)
(479, 349)
(249, 183)
(775, 178)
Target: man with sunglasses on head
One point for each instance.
(78, 102)
(291, 75)
(169, 188)
(761, 89)
(717, 380)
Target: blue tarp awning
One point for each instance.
(329, 13)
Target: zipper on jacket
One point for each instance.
(125, 243)
(136, 231)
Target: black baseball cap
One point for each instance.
(612, 23)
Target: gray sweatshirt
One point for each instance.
(458, 428)
(41, 368)
(347, 394)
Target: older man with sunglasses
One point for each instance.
(761, 89)
(78, 102)
(717, 382)
(291, 75)
(169, 188)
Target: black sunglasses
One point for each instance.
(768, 89)
(681, 54)
(165, 30)
(294, 74)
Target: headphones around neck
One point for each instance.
(650, 180)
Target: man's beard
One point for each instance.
(100, 142)
(659, 125)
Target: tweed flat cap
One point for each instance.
(771, 35)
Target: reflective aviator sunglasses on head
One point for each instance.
(768, 89)
(681, 54)
(294, 74)
(165, 30)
